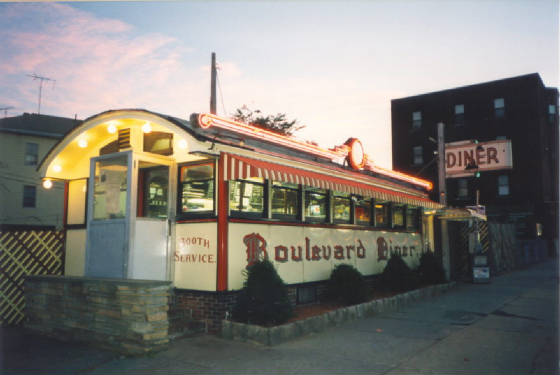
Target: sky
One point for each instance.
(332, 65)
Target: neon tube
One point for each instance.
(206, 120)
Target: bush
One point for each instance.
(397, 275)
(264, 297)
(346, 285)
(430, 270)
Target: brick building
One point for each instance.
(520, 109)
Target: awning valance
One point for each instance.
(241, 167)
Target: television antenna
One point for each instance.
(41, 79)
(5, 109)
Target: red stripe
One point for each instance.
(222, 262)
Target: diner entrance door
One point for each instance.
(129, 206)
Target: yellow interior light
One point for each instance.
(147, 128)
(47, 184)
(57, 168)
(112, 128)
(183, 144)
(82, 143)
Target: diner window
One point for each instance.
(342, 208)
(197, 188)
(417, 155)
(316, 203)
(381, 212)
(459, 114)
(551, 113)
(363, 211)
(110, 188)
(499, 108)
(503, 185)
(31, 153)
(158, 143)
(416, 120)
(462, 188)
(153, 189)
(247, 197)
(285, 200)
(29, 196)
(412, 218)
(398, 216)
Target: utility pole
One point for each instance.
(5, 109)
(213, 85)
(441, 165)
(41, 79)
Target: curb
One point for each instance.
(271, 336)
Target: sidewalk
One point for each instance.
(507, 326)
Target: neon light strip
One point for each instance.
(207, 120)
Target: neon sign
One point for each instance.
(353, 150)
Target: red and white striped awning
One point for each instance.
(241, 167)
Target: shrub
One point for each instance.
(397, 275)
(264, 297)
(430, 270)
(346, 285)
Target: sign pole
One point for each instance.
(441, 165)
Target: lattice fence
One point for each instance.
(26, 252)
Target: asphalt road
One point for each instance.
(509, 326)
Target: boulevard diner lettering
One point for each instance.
(194, 201)
(466, 157)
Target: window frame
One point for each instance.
(462, 188)
(412, 225)
(31, 158)
(283, 186)
(239, 213)
(502, 185)
(459, 115)
(308, 190)
(499, 108)
(416, 122)
(393, 211)
(196, 214)
(27, 200)
(387, 208)
(342, 196)
(415, 155)
(356, 204)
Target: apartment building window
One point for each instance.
(417, 155)
(459, 114)
(416, 120)
(503, 185)
(462, 188)
(499, 108)
(29, 195)
(551, 113)
(31, 153)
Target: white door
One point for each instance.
(108, 226)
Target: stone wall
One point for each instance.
(128, 316)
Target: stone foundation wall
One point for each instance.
(128, 316)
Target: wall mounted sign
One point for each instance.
(467, 157)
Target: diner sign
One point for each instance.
(467, 157)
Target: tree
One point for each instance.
(277, 123)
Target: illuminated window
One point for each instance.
(158, 143)
(29, 196)
(416, 120)
(110, 190)
(247, 196)
(462, 188)
(381, 214)
(197, 188)
(315, 204)
(459, 114)
(153, 191)
(551, 113)
(363, 211)
(31, 153)
(342, 208)
(412, 218)
(503, 185)
(285, 200)
(417, 155)
(398, 216)
(499, 107)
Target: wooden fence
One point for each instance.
(26, 251)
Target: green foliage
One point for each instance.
(397, 275)
(264, 297)
(276, 123)
(346, 285)
(430, 270)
